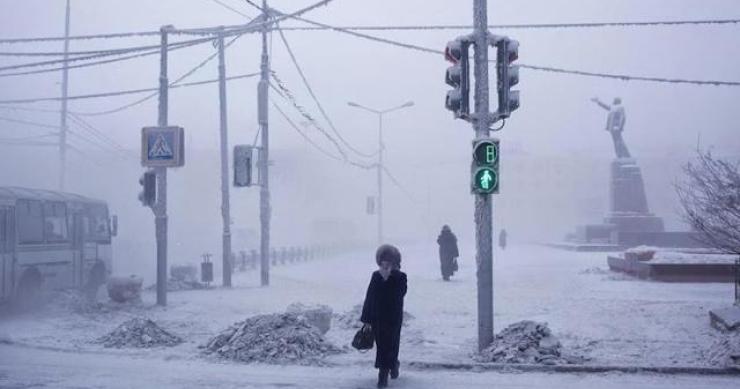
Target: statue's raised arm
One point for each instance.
(600, 103)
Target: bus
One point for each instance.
(51, 241)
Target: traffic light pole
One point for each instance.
(262, 98)
(160, 210)
(483, 206)
(225, 211)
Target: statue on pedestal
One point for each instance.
(615, 121)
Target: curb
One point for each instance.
(510, 367)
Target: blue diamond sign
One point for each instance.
(162, 146)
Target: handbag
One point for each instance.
(455, 267)
(364, 339)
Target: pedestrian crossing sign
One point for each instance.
(162, 146)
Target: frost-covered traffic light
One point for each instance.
(485, 177)
(507, 75)
(148, 194)
(458, 77)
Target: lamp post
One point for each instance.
(379, 165)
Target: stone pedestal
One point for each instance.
(628, 207)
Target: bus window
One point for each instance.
(97, 228)
(55, 222)
(30, 222)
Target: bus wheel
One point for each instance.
(28, 293)
(94, 281)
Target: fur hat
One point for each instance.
(388, 253)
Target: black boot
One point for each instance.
(394, 370)
(383, 378)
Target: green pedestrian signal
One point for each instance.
(485, 172)
(486, 180)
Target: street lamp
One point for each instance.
(379, 166)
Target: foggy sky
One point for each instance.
(426, 148)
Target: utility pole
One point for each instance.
(483, 207)
(379, 169)
(379, 165)
(65, 90)
(160, 209)
(264, 160)
(225, 212)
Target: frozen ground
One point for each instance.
(22, 368)
(604, 316)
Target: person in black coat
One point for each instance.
(382, 311)
(447, 252)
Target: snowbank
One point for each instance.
(525, 342)
(139, 333)
(284, 338)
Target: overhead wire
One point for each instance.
(622, 77)
(232, 9)
(288, 95)
(156, 93)
(316, 100)
(521, 26)
(107, 94)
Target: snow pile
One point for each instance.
(139, 333)
(176, 285)
(721, 352)
(318, 315)
(641, 253)
(275, 338)
(525, 342)
(350, 320)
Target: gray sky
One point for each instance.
(424, 143)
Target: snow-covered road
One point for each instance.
(607, 317)
(22, 367)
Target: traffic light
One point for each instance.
(485, 177)
(507, 75)
(458, 77)
(242, 165)
(148, 194)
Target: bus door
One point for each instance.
(6, 253)
(78, 246)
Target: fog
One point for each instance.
(555, 152)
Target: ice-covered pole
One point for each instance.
(483, 207)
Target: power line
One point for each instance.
(108, 94)
(103, 53)
(288, 95)
(232, 9)
(156, 93)
(316, 100)
(93, 63)
(303, 135)
(115, 51)
(521, 26)
(398, 184)
(29, 123)
(622, 77)
(85, 125)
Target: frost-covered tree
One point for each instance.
(710, 196)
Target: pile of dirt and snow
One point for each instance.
(139, 333)
(526, 342)
(725, 351)
(350, 320)
(318, 315)
(275, 338)
(176, 285)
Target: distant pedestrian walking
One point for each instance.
(382, 311)
(502, 239)
(448, 252)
